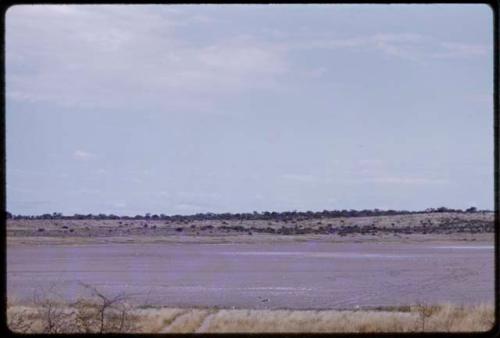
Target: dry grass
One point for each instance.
(68, 318)
(98, 313)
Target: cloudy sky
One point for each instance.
(185, 109)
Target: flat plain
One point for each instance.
(314, 266)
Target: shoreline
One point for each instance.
(226, 239)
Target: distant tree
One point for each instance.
(471, 209)
(8, 215)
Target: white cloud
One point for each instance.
(198, 195)
(190, 208)
(410, 46)
(462, 50)
(82, 155)
(19, 189)
(109, 56)
(316, 72)
(303, 178)
(119, 204)
(370, 163)
(87, 191)
(132, 56)
(23, 172)
(406, 180)
(134, 180)
(259, 196)
(481, 97)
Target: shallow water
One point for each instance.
(306, 275)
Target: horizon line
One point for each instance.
(255, 212)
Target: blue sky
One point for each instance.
(210, 108)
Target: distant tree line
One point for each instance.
(266, 215)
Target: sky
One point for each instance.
(182, 109)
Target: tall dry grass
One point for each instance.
(418, 318)
(98, 313)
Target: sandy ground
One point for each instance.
(279, 275)
(258, 238)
